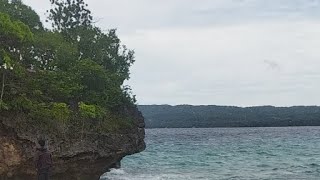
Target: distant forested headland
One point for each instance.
(187, 116)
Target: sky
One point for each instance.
(222, 52)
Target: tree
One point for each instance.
(19, 11)
(74, 21)
(13, 34)
(103, 61)
(69, 14)
(60, 76)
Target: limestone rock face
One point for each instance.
(85, 158)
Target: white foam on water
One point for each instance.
(113, 174)
(120, 174)
(117, 171)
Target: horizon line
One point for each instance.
(229, 105)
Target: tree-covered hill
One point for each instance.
(68, 77)
(187, 116)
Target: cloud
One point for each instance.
(272, 64)
(222, 65)
(218, 51)
(129, 16)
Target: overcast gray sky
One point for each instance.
(224, 52)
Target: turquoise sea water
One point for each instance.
(225, 153)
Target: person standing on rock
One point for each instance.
(43, 161)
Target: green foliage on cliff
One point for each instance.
(70, 76)
(19, 11)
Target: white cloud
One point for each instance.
(217, 51)
(226, 65)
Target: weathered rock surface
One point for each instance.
(85, 158)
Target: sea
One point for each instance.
(225, 153)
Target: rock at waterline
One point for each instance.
(74, 158)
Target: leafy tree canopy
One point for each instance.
(65, 75)
(19, 11)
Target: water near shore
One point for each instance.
(225, 153)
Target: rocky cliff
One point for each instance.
(75, 158)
